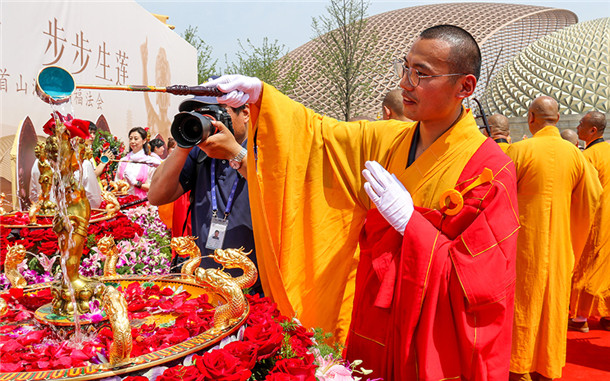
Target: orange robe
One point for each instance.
(558, 193)
(591, 282)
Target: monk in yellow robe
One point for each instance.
(500, 130)
(558, 192)
(570, 136)
(591, 282)
(439, 265)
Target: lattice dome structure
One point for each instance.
(502, 31)
(571, 65)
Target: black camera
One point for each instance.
(190, 128)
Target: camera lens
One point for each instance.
(192, 130)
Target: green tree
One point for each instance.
(205, 65)
(345, 57)
(263, 62)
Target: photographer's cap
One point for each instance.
(198, 101)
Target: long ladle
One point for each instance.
(54, 85)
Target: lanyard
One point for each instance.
(213, 191)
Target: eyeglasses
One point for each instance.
(413, 76)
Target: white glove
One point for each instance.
(129, 178)
(239, 89)
(393, 201)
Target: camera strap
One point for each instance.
(218, 226)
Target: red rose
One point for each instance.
(303, 370)
(135, 378)
(220, 365)
(268, 337)
(246, 352)
(302, 334)
(48, 248)
(181, 372)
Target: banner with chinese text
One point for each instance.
(98, 42)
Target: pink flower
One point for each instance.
(330, 368)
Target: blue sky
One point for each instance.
(222, 23)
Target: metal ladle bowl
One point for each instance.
(54, 85)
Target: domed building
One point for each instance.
(502, 31)
(571, 65)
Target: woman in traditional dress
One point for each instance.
(137, 167)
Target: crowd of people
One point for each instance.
(433, 250)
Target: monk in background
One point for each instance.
(392, 108)
(558, 192)
(500, 130)
(591, 282)
(570, 136)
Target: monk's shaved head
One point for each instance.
(598, 120)
(465, 53)
(543, 111)
(393, 101)
(392, 106)
(591, 126)
(498, 124)
(546, 108)
(571, 136)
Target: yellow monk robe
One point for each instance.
(503, 146)
(308, 202)
(591, 283)
(558, 192)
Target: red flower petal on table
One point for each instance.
(11, 367)
(12, 346)
(167, 305)
(167, 291)
(42, 365)
(79, 355)
(137, 306)
(62, 362)
(187, 307)
(148, 327)
(33, 337)
(105, 332)
(6, 329)
(16, 293)
(138, 315)
(178, 335)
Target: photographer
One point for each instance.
(219, 191)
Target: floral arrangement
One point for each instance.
(105, 141)
(268, 347)
(146, 252)
(143, 251)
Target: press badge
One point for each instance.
(216, 237)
